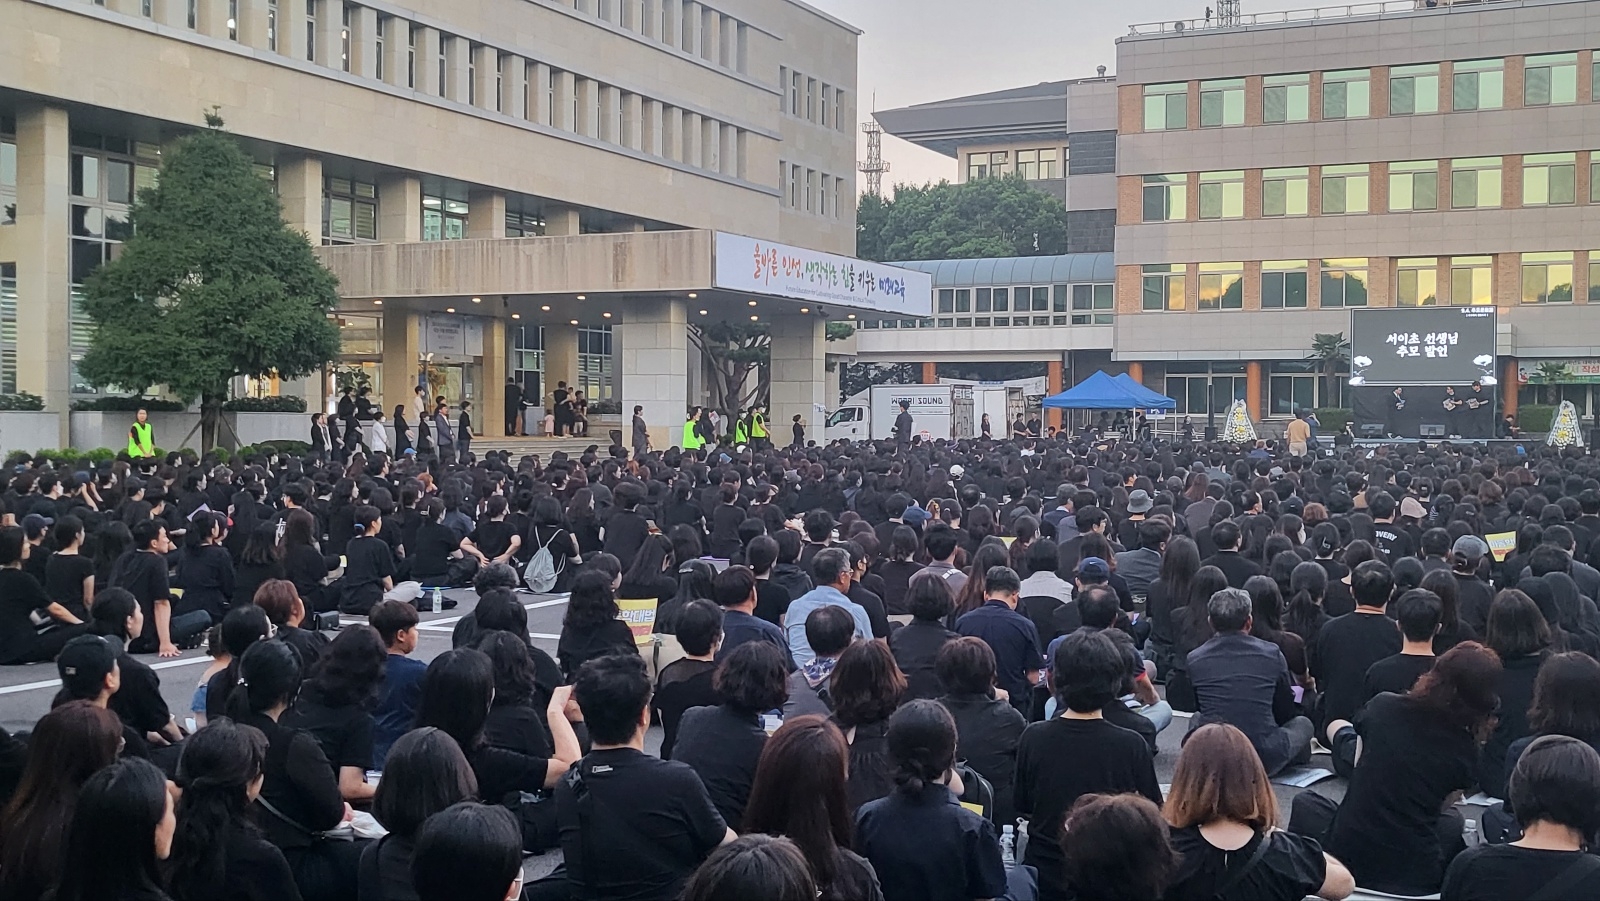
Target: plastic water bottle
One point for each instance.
(438, 600)
(1469, 834)
(1008, 845)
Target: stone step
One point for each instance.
(543, 447)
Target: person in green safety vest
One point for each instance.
(758, 428)
(741, 429)
(691, 434)
(141, 438)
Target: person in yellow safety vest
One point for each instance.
(141, 438)
(741, 430)
(758, 427)
(691, 436)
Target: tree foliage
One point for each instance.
(987, 217)
(1331, 351)
(734, 352)
(213, 285)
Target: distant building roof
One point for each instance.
(1048, 110)
(1071, 268)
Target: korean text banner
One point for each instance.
(754, 266)
(1422, 346)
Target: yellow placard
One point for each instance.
(1501, 544)
(975, 808)
(640, 615)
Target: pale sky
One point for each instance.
(917, 51)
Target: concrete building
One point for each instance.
(533, 190)
(1274, 172)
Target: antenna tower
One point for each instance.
(874, 167)
(1228, 12)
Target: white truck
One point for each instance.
(948, 410)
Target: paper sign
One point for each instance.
(640, 615)
(1501, 544)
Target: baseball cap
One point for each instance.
(1412, 508)
(1139, 501)
(914, 515)
(34, 525)
(84, 664)
(1470, 546)
(1094, 567)
(957, 471)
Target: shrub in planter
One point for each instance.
(1536, 417)
(21, 401)
(283, 403)
(1333, 419)
(119, 404)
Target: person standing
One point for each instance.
(758, 428)
(641, 433)
(444, 436)
(1299, 434)
(402, 432)
(561, 407)
(346, 413)
(464, 431)
(903, 425)
(380, 434)
(692, 439)
(799, 428)
(513, 408)
(321, 437)
(141, 437)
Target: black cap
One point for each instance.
(84, 664)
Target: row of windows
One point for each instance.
(1025, 306)
(1548, 80)
(692, 27)
(817, 102)
(1337, 283)
(1548, 179)
(455, 68)
(1034, 164)
(810, 191)
(1201, 388)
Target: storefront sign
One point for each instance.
(1573, 372)
(754, 266)
(452, 336)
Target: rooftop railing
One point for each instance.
(1378, 10)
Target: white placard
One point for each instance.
(754, 266)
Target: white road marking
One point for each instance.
(56, 683)
(448, 624)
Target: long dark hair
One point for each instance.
(1196, 622)
(349, 671)
(241, 628)
(215, 772)
(1462, 688)
(515, 679)
(1179, 562)
(456, 692)
(110, 850)
(1308, 586)
(650, 562)
(971, 595)
(799, 791)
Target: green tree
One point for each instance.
(213, 285)
(989, 217)
(733, 353)
(1551, 374)
(1330, 351)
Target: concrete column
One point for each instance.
(364, 42)
(400, 209)
(211, 18)
(300, 192)
(561, 221)
(632, 122)
(402, 347)
(650, 137)
(672, 133)
(610, 113)
(1252, 396)
(566, 89)
(710, 144)
(1052, 371)
(291, 28)
(1508, 387)
(930, 373)
(729, 162)
(654, 338)
(428, 62)
(693, 126)
(456, 57)
(330, 34)
(397, 52)
(1135, 372)
(252, 23)
(588, 105)
(650, 18)
(486, 214)
(491, 412)
(514, 93)
(560, 358)
(538, 101)
(486, 71)
(798, 358)
(44, 274)
(174, 13)
(126, 7)
(710, 34)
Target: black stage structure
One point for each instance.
(1424, 373)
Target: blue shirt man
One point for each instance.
(1010, 635)
(396, 710)
(734, 590)
(831, 569)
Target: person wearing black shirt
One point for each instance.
(429, 559)
(1474, 594)
(1418, 612)
(138, 700)
(625, 529)
(369, 565)
(1235, 566)
(1393, 541)
(687, 683)
(722, 744)
(20, 596)
(632, 827)
(987, 728)
(591, 628)
(1555, 789)
(205, 572)
(334, 706)
(917, 644)
(68, 574)
(772, 599)
(1078, 752)
(1520, 635)
(495, 540)
(1349, 644)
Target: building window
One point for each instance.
(822, 100)
(594, 363)
(1292, 386)
(1210, 388)
(1347, 94)
(1221, 286)
(1028, 164)
(985, 165)
(8, 328)
(1166, 198)
(1222, 195)
(344, 39)
(272, 23)
(1049, 164)
(1547, 278)
(1550, 80)
(1594, 276)
(380, 35)
(411, 57)
(1284, 191)
(1478, 84)
(349, 211)
(444, 61)
(104, 173)
(811, 190)
(1548, 179)
(811, 99)
(1416, 282)
(1166, 106)
(1092, 304)
(1222, 103)
(1472, 281)
(1345, 189)
(1163, 287)
(1414, 90)
(1283, 285)
(193, 13)
(8, 181)
(1475, 183)
(1414, 186)
(233, 20)
(1343, 283)
(794, 93)
(795, 176)
(524, 225)
(527, 354)
(1286, 98)
(443, 219)
(311, 30)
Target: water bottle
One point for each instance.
(1469, 834)
(438, 600)
(1008, 845)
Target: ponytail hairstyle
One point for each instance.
(218, 766)
(365, 516)
(1308, 586)
(242, 627)
(922, 744)
(1324, 540)
(269, 674)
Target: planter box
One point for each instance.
(92, 429)
(29, 431)
(254, 428)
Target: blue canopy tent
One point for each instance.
(1150, 399)
(1102, 392)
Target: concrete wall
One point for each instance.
(28, 431)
